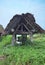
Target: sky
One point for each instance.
(9, 8)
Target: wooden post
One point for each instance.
(31, 37)
(13, 39)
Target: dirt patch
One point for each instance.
(2, 57)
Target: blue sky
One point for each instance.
(8, 8)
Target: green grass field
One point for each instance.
(28, 54)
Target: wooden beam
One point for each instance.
(21, 32)
(28, 22)
(21, 27)
(26, 28)
(17, 27)
(13, 39)
(31, 37)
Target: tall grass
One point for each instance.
(28, 54)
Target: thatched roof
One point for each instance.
(1, 29)
(25, 22)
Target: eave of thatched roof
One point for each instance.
(13, 22)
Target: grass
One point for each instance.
(28, 54)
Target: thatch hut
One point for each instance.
(1, 30)
(23, 24)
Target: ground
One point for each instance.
(28, 54)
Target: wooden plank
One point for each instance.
(26, 28)
(21, 32)
(28, 22)
(17, 27)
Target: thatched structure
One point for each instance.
(23, 24)
(1, 30)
